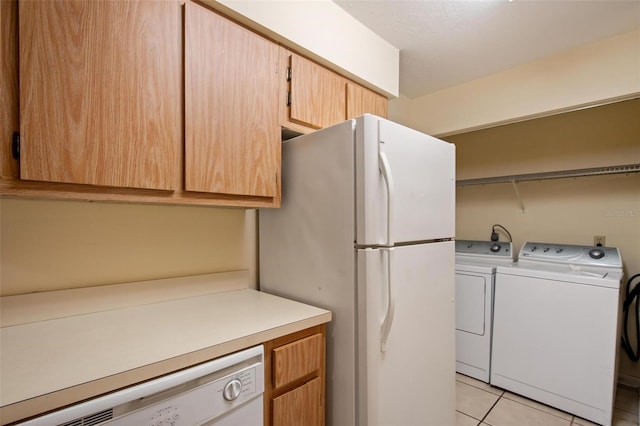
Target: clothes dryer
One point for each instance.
(556, 327)
(476, 263)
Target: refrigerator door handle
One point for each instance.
(387, 321)
(388, 179)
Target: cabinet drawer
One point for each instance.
(297, 359)
(301, 406)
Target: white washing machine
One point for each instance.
(556, 327)
(476, 263)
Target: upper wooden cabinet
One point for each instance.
(119, 99)
(232, 132)
(313, 97)
(316, 95)
(361, 101)
(162, 101)
(9, 114)
(100, 92)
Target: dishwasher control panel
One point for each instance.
(198, 405)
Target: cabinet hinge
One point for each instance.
(288, 73)
(15, 145)
(288, 98)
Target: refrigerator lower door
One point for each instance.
(408, 376)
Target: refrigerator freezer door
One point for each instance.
(411, 382)
(422, 171)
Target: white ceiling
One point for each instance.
(447, 42)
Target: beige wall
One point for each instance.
(570, 210)
(50, 245)
(399, 110)
(594, 137)
(602, 71)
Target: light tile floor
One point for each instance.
(478, 403)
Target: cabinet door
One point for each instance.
(362, 101)
(232, 131)
(317, 95)
(300, 406)
(297, 359)
(100, 91)
(9, 118)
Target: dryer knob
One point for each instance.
(596, 253)
(495, 247)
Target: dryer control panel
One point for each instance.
(489, 250)
(607, 257)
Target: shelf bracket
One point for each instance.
(515, 188)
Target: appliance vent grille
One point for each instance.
(92, 419)
(76, 422)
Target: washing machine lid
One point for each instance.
(496, 252)
(600, 277)
(568, 254)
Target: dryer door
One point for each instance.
(474, 296)
(471, 309)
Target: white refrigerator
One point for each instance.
(366, 230)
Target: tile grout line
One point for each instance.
(489, 410)
(543, 411)
(468, 415)
(531, 407)
(571, 420)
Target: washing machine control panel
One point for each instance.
(570, 254)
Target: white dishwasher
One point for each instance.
(224, 392)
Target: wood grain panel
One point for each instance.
(100, 92)
(270, 392)
(9, 101)
(364, 101)
(231, 108)
(297, 359)
(68, 191)
(301, 406)
(318, 96)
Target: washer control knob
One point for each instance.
(232, 390)
(495, 247)
(596, 253)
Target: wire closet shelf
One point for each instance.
(595, 171)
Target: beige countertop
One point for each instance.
(121, 335)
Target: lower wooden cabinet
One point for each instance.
(295, 379)
(299, 406)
